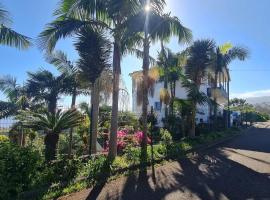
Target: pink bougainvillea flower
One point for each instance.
(139, 137)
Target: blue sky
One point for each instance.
(241, 22)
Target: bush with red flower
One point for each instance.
(124, 138)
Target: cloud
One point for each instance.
(258, 93)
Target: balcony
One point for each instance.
(220, 93)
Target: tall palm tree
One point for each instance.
(224, 54)
(199, 59)
(110, 15)
(8, 36)
(45, 87)
(94, 50)
(171, 66)
(154, 25)
(52, 124)
(240, 53)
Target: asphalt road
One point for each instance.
(236, 170)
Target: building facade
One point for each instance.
(204, 112)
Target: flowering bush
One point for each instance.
(139, 137)
(124, 139)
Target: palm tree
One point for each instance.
(94, 50)
(8, 36)
(154, 25)
(70, 69)
(225, 54)
(52, 123)
(171, 65)
(17, 99)
(110, 15)
(240, 53)
(199, 59)
(45, 87)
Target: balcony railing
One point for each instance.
(220, 93)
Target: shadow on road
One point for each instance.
(209, 175)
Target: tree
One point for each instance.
(45, 87)
(224, 55)
(110, 15)
(154, 25)
(8, 36)
(65, 67)
(199, 59)
(17, 99)
(52, 123)
(171, 66)
(94, 50)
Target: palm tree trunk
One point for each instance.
(73, 104)
(192, 132)
(215, 100)
(52, 104)
(145, 99)
(228, 124)
(114, 118)
(50, 141)
(165, 78)
(94, 119)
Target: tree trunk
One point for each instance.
(145, 98)
(114, 118)
(52, 104)
(94, 119)
(215, 100)
(192, 132)
(165, 78)
(73, 104)
(50, 141)
(228, 114)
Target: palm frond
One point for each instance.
(4, 16)
(139, 54)
(50, 122)
(7, 109)
(60, 60)
(238, 52)
(63, 27)
(11, 38)
(94, 50)
(199, 59)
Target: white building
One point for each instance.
(203, 112)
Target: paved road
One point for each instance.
(237, 170)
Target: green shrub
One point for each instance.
(62, 171)
(4, 138)
(96, 169)
(132, 154)
(18, 169)
(166, 137)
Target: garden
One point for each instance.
(50, 151)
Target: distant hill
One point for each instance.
(259, 100)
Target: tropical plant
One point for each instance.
(224, 55)
(70, 69)
(154, 25)
(199, 59)
(43, 86)
(110, 15)
(8, 36)
(52, 123)
(17, 99)
(171, 66)
(94, 51)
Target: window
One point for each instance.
(157, 106)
